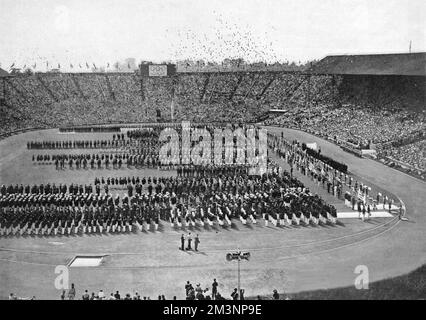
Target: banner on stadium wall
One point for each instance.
(157, 70)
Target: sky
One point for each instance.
(105, 31)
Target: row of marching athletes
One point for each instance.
(295, 208)
(332, 175)
(275, 195)
(74, 220)
(77, 144)
(98, 161)
(73, 217)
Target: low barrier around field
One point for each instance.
(19, 131)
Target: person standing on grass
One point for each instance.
(182, 242)
(214, 289)
(368, 212)
(86, 296)
(234, 294)
(71, 292)
(189, 242)
(196, 242)
(242, 294)
(101, 295)
(275, 295)
(188, 287)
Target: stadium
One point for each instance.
(86, 188)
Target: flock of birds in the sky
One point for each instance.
(228, 42)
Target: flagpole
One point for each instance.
(239, 291)
(238, 273)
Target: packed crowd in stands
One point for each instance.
(365, 129)
(391, 120)
(353, 124)
(57, 100)
(413, 154)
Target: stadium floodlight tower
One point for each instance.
(238, 255)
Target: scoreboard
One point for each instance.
(157, 70)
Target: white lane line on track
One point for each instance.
(337, 248)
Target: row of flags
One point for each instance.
(116, 65)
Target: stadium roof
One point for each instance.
(3, 73)
(408, 64)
